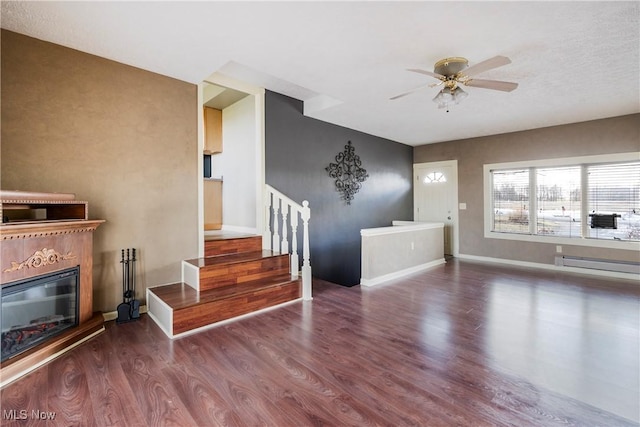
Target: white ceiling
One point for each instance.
(574, 61)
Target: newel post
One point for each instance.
(295, 263)
(306, 264)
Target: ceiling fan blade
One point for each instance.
(492, 84)
(428, 73)
(489, 64)
(408, 93)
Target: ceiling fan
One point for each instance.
(452, 72)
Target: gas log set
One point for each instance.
(21, 337)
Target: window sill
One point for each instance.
(571, 241)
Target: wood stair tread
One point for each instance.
(234, 258)
(182, 296)
(226, 237)
(235, 277)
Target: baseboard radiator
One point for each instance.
(599, 264)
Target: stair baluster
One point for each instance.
(276, 237)
(295, 262)
(266, 234)
(275, 203)
(284, 246)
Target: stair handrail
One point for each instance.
(279, 207)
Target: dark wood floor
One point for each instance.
(462, 344)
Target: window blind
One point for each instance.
(511, 201)
(615, 189)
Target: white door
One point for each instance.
(435, 198)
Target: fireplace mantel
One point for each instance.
(34, 229)
(41, 246)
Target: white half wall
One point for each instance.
(405, 248)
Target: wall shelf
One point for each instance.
(23, 207)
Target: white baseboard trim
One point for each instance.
(551, 267)
(113, 315)
(400, 273)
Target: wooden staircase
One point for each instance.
(236, 277)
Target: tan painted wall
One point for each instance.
(121, 138)
(615, 135)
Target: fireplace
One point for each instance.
(46, 279)
(37, 309)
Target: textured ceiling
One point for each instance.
(574, 61)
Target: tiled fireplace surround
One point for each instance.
(33, 248)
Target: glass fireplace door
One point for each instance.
(36, 309)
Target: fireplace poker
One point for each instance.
(124, 308)
(134, 303)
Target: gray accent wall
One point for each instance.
(297, 151)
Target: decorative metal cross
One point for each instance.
(347, 173)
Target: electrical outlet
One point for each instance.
(558, 249)
(412, 246)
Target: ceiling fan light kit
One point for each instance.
(455, 71)
(447, 97)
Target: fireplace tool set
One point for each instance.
(130, 308)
